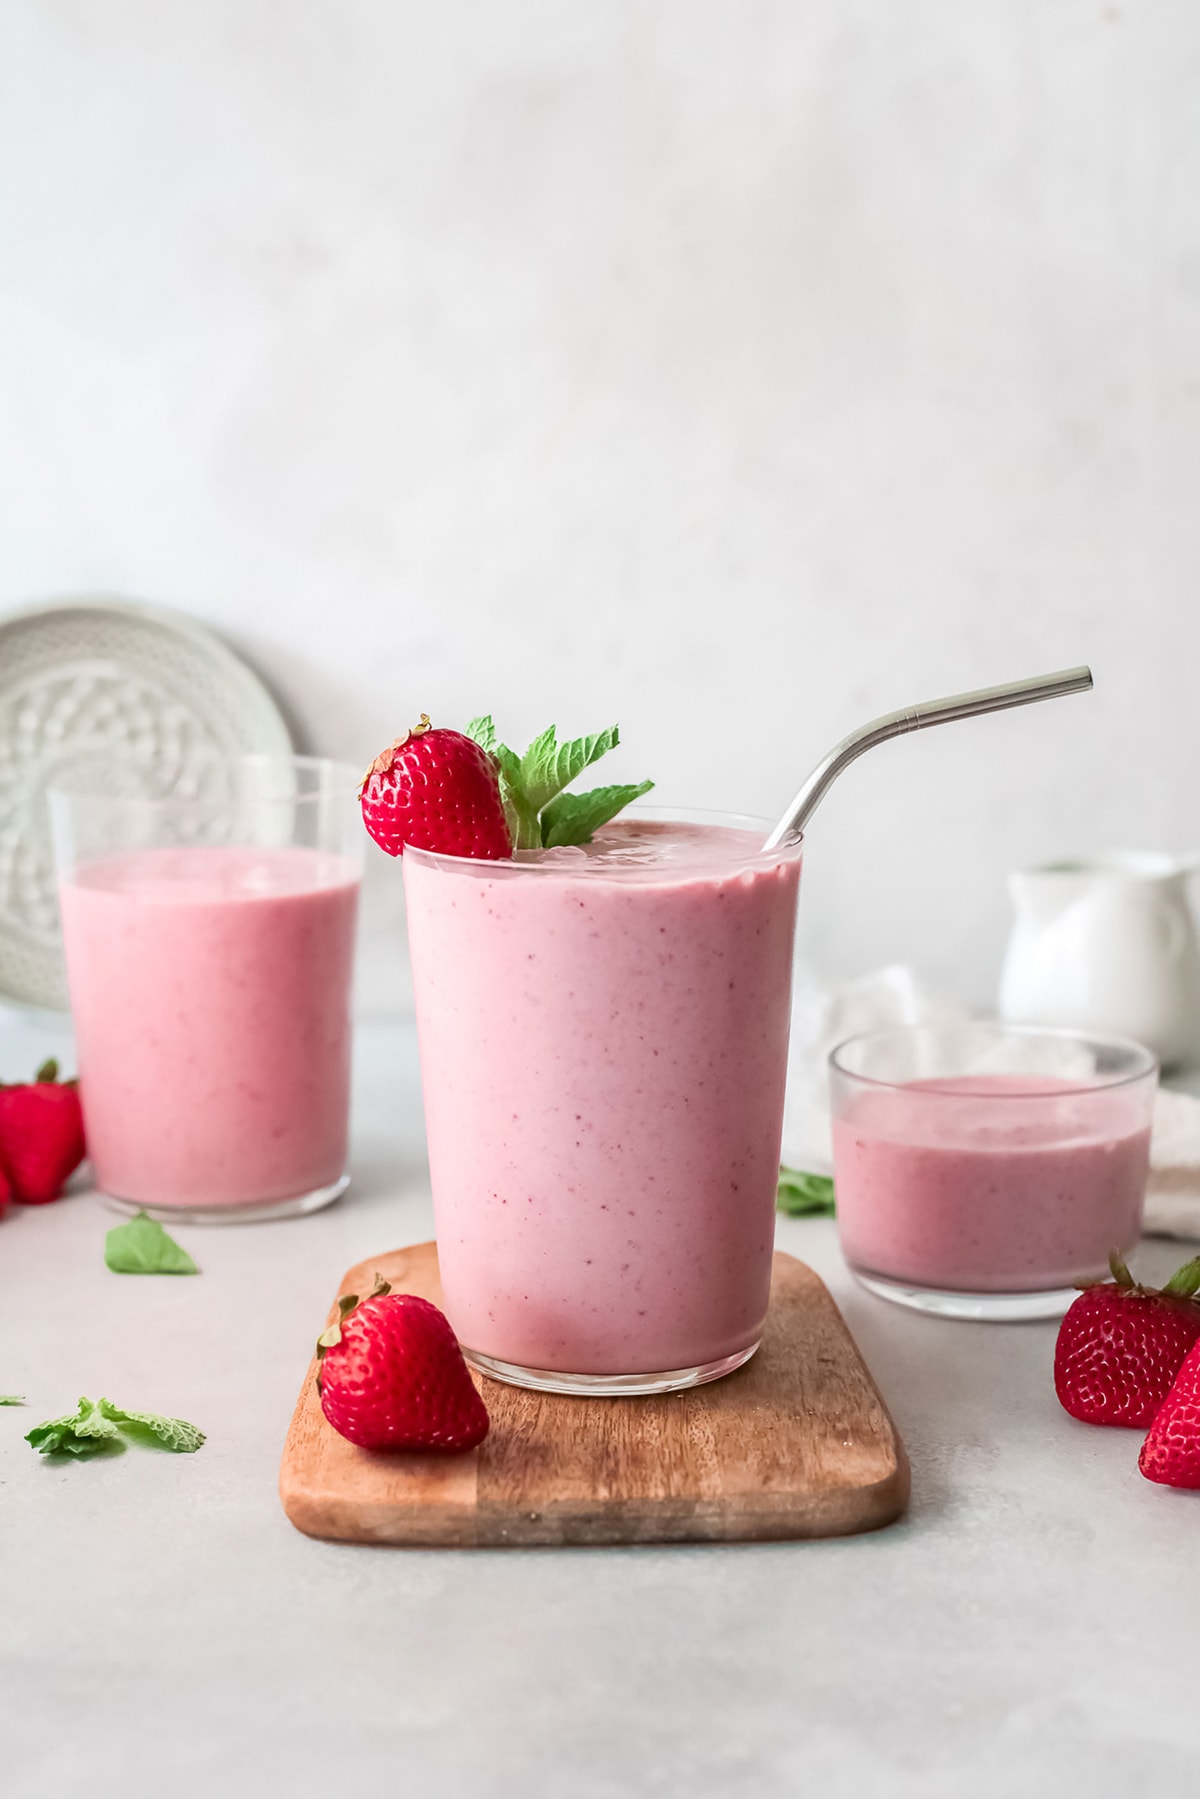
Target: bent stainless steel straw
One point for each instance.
(917, 718)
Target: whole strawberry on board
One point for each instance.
(41, 1135)
(391, 1376)
(464, 793)
(1171, 1452)
(1121, 1345)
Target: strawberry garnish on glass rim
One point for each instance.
(462, 793)
(1121, 1345)
(436, 790)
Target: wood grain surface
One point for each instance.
(797, 1443)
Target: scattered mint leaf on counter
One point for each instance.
(93, 1427)
(576, 817)
(83, 1432)
(143, 1247)
(175, 1434)
(12, 1399)
(804, 1195)
(541, 814)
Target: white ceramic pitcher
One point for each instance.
(1107, 945)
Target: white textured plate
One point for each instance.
(148, 691)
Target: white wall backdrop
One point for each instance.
(735, 369)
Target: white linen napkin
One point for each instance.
(822, 1016)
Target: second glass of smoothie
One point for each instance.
(984, 1170)
(209, 940)
(603, 1035)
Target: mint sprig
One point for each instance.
(143, 1247)
(541, 814)
(804, 1195)
(94, 1428)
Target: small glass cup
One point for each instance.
(209, 939)
(983, 1170)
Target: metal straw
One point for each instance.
(916, 718)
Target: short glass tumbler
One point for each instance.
(982, 1170)
(209, 940)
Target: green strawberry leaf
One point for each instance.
(175, 1434)
(12, 1399)
(576, 817)
(482, 731)
(83, 1432)
(1185, 1282)
(803, 1195)
(143, 1247)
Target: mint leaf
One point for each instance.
(175, 1434)
(482, 731)
(522, 818)
(548, 766)
(803, 1195)
(12, 1399)
(83, 1432)
(576, 817)
(143, 1247)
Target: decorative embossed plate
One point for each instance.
(149, 693)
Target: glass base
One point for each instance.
(607, 1386)
(252, 1212)
(985, 1308)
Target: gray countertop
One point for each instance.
(1031, 1627)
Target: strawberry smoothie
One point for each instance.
(210, 990)
(603, 1036)
(989, 1183)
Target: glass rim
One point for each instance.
(346, 778)
(760, 858)
(1148, 1063)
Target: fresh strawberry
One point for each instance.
(41, 1135)
(392, 1376)
(437, 790)
(1171, 1452)
(1121, 1345)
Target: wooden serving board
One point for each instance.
(797, 1443)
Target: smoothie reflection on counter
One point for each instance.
(603, 1037)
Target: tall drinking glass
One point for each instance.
(603, 1036)
(209, 941)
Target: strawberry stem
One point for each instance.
(331, 1336)
(48, 1072)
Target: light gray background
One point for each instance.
(735, 369)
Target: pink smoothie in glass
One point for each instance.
(989, 1183)
(603, 1038)
(210, 991)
